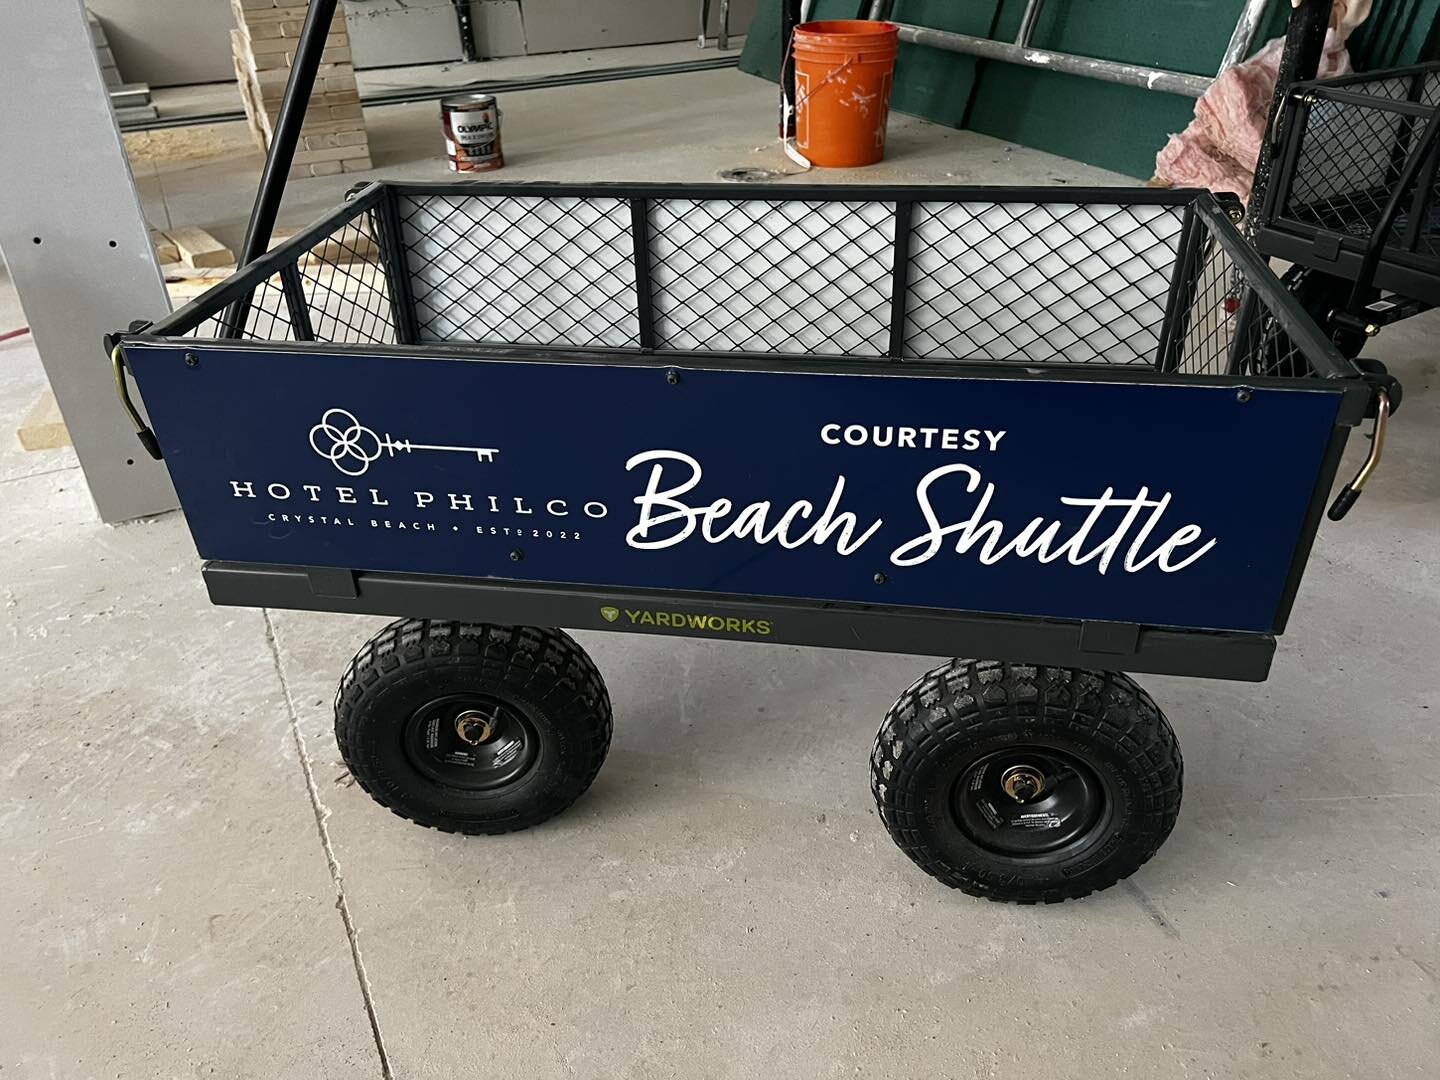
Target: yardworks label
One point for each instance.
(1169, 505)
(692, 621)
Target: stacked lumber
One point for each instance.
(333, 137)
(131, 100)
(357, 246)
(198, 248)
(190, 247)
(43, 428)
(328, 266)
(109, 70)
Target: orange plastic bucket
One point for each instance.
(843, 72)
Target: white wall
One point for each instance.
(168, 42)
(563, 25)
(171, 42)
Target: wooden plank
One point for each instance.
(340, 279)
(358, 247)
(185, 283)
(165, 249)
(198, 248)
(247, 16)
(43, 428)
(328, 260)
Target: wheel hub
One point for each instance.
(471, 741)
(1022, 782)
(474, 727)
(1031, 802)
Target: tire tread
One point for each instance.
(965, 699)
(545, 663)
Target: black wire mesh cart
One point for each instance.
(1351, 201)
(1026, 425)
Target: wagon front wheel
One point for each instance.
(472, 728)
(1024, 783)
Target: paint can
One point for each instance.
(472, 132)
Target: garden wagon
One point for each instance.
(1011, 423)
(1350, 201)
(1023, 424)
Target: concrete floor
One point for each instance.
(674, 128)
(191, 886)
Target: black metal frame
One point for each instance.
(1356, 393)
(1202, 215)
(1371, 260)
(1299, 60)
(465, 25)
(866, 627)
(871, 627)
(1243, 656)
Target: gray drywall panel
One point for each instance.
(76, 243)
(563, 25)
(173, 42)
(164, 42)
(499, 27)
(387, 33)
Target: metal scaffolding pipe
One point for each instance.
(1243, 39)
(1147, 78)
(1027, 22)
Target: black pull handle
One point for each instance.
(1351, 491)
(122, 389)
(1343, 502)
(150, 443)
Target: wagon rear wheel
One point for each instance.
(472, 728)
(1026, 783)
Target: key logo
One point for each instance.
(609, 614)
(351, 447)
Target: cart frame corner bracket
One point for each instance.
(1117, 639)
(331, 582)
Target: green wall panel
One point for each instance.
(933, 83)
(1105, 124)
(1115, 127)
(1181, 35)
(761, 55)
(1398, 32)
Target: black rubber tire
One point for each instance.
(541, 673)
(955, 715)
